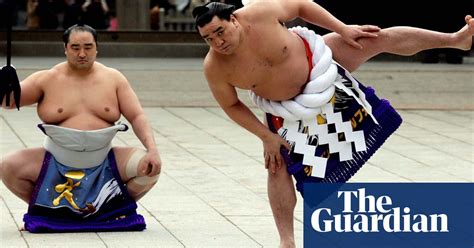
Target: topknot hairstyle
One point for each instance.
(79, 28)
(204, 14)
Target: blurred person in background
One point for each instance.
(95, 14)
(72, 13)
(48, 11)
(32, 18)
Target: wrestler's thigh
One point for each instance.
(122, 155)
(23, 164)
(348, 56)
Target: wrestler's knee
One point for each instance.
(8, 165)
(280, 172)
(134, 165)
(22, 164)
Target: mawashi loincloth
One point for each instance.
(81, 197)
(334, 126)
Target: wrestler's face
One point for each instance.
(81, 50)
(221, 35)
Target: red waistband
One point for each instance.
(309, 56)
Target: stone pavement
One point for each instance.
(212, 192)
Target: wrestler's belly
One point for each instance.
(280, 91)
(283, 84)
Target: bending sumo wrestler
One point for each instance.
(77, 181)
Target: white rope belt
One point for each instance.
(316, 93)
(324, 78)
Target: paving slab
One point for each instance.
(212, 192)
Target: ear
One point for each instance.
(234, 20)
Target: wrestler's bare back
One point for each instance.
(84, 101)
(271, 60)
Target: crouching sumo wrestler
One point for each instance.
(77, 181)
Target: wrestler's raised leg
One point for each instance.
(400, 40)
(281, 193)
(131, 169)
(19, 171)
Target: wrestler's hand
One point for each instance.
(153, 160)
(352, 33)
(271, 151)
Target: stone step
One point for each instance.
(111, 44)
(111, 49)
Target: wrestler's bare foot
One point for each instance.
(463, 37)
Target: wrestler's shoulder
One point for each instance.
(56, 70)
(111, 74)
(105, 68)
(210, 61)
(258, 3)
(45, 75)
(108, 71)
(256, 8)
(214, 64)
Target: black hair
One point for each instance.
(79, 28)
(204, 14)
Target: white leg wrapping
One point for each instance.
(131, 169)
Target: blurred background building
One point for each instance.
(169, 21)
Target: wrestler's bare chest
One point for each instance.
(274, 69)
(82, 103)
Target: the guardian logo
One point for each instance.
(373, 214)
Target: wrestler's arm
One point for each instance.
(131, 109)
(317, 15)
(31, 91)
(227, 98)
